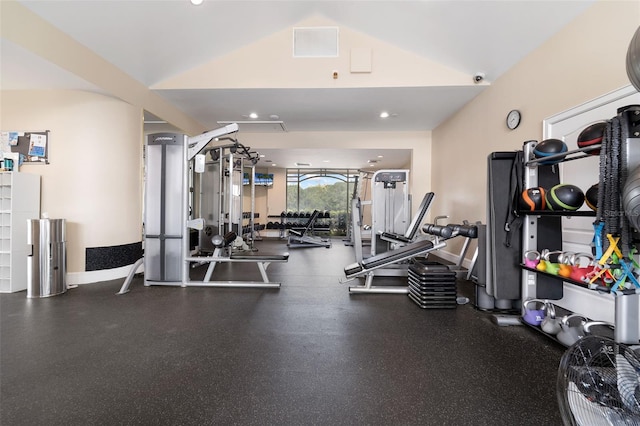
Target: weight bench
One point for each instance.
(367, 267)
(300, 238)
(221, 255)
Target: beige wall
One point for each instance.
(268, 63)
(583, 61)
(94, 176)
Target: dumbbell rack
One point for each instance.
(296, 220)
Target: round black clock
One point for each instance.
(513, 119)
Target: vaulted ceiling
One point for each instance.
(167, 45)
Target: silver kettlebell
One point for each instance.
(569, 334)
(550, 324)
(587, 328)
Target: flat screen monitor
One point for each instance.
(263, 179)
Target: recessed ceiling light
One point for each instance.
(380, 156)
(326, 161)
(196, 2)
(274, 116)
(253, 115)
(273, 164)
(262, 155)
(384, 114)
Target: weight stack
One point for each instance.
(432, 286)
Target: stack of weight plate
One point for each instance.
(432, 285)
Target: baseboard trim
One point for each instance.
(91, 277)
(112, 257)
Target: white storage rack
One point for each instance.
(19, 202)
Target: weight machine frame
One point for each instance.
(225, 195)
(168, 223)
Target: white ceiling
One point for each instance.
(154, 40)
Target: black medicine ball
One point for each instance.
(591, 197)
(564, 197)
(532, 199)
(592, 135)
(550, 147)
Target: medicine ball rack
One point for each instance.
(557, 213)
(626, 302)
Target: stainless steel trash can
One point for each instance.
(46, 257)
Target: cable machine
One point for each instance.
(221, 193)
(390, 206)
(170, 161)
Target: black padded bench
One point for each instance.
(259, 256)
(261, 259)
(388, 258)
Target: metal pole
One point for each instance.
(185, 211)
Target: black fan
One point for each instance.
(598, 383)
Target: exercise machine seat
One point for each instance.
(260, 256)
(388, 257)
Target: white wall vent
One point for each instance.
(315, 42)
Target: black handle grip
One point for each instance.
(438, 230)
(470, 231)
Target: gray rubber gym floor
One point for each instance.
(306, 354)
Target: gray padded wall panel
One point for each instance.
(503, 263)
(503, 273)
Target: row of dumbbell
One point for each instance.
(256, 227)
(322, 215)
(289, 225)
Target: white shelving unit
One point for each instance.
(19, 202)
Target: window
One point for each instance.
(325, 190)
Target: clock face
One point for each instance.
(513, 119)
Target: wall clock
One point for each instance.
(513, 119)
